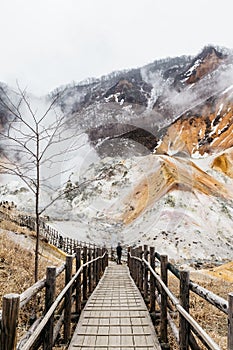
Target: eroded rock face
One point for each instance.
(224, 163)
(172, 174)
(161, 100)
(133, 90)
(206, 62)
(206, 129)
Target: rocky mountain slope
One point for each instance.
(150, 97)
(162, 137)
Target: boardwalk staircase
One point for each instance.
(100, 306)
(115, 316)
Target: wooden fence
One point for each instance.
(49, 234)
(154, 288)
(67, 244)
(52, 236)
(58, 310)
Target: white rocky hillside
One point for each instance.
(125, 205)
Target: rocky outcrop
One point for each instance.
(171, 174)
(206, 62)
(206, 129)
(224, 163)
(133, 90)
(162, 92)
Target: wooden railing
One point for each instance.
(154, 288)
(51, 235)
(67, 244)
(48, 233)
(59, 310)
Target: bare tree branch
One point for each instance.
(14, 110)
(27, 180)
(33, 143)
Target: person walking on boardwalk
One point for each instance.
(119, 252)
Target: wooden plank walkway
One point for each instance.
(115, 316)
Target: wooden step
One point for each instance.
(115, 316)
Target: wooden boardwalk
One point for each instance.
(115, 316)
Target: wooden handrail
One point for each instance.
(57, 301)
(50, 312)
(35, 288)
(210, 297)
(185, 314)
(46, 230)
(202, 292)
(64, 310)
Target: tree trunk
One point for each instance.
(37, 248)
(37, 223)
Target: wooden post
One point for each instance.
(10, 312)
(54, 237)
(152, 280)
(95, 267)
(90, 268)
(131, 263)
(98, 265)
(137, 266)
(78, 282)
(102, 250)
(101, 262)
(71, 246)
(106, 259)
(145, 273)
(67, 311)
(74, 245)
(128, 258)
(49, 299)
(184, 328)
(140, 270)
(230, 322)
(164, 322)
(84, 274)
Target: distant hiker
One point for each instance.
(119, 252)
(60, 241)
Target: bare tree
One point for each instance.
(32, 141)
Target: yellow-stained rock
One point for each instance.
(224, 163)
(207, 128)
(173, 173)
(224, 272)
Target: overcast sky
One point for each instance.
(48, 43)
